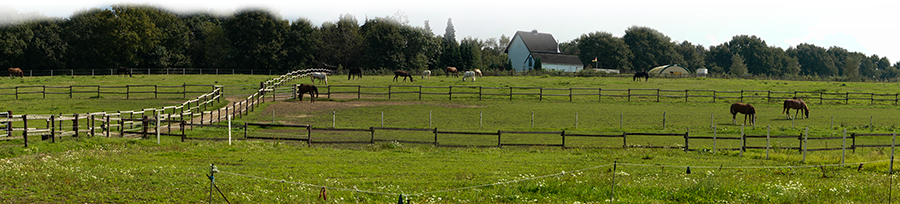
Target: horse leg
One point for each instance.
(734, 118)
(301, 96)
(311, 97)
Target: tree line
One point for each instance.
(642, 48)
(141, 36)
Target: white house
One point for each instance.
(526, 47)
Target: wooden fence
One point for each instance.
(98, 91)
(305, 133)
(600, 94)
(139, 121)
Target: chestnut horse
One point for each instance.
(746, 109)
(307, 88)
(639, 75)
(13, 72)
(403, 74)
(451, 70)
(795, 104)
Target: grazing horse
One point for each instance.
(478, 72)
(795, 104)
(469, 74)
(746, 109)
(123, 71)
(426, 73)
(14, 72)
(451, 70)
(355, 72)
(307, 88)
(403, 74)
(319, 75)
(639, 75)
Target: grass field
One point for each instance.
(127, 170)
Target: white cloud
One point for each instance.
(868, 25)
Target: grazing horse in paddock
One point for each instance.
(16, 72)
(355, 72)
(451, 70)
(307, 88)
(426, 73)
(319, 75)
(478, 72)
(746, 109)
(639, 75)
(403, 74)
(469, 74)
(123, 71)
(795, 104)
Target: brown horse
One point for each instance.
(307, 88)
(403, 74)
(13, 72)
(451, 70)
(795, 104)
(746, 109)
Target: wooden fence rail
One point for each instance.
(98, 90)
(627, 94)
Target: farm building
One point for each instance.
(672, 69)
(526, 47)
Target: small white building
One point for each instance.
(526, 47)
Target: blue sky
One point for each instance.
(863, 26)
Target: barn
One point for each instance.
(669, 70)
(525, 48)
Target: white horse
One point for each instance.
(426, 73)
(469, 74)
(319, 75)
(478, 72)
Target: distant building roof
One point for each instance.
(558, 58)
(537, 42)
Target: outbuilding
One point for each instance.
(669, 70)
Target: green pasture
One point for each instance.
(121, 170)
(131, 171)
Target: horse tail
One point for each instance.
(316, 89)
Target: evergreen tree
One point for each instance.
(738, 67)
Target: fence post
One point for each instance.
(743, 144)
(624, 140)
(532, 119)
(75, 125)
(712, 122)
(24, 130)
(576, 120)
(498, 139)
(563, 134)
(435, 137)
(52, 128)
(686, 136)
(92, 125)
(664, 120)
(767, 141)
(805, 145)
(429, 118)
(893, 141)
(843, 146)
(481, 119)
(621, 117)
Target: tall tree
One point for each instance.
(610, 51)
(209, 47)
(813, 60)
(129, 33)
(342, 43)
(650, 48)
(47, 50)
(693, 54)
(302, 42)
(470, 54)
(14, 41)
(87, 47)
(450, 55)
(257, 37)
(738, 68)
(384, 43)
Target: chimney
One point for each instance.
(534, 31)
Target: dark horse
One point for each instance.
(403, 74)
(639, 75)
(123, 71)
(355, 72)
(453, 70)
(16, 72)
(795, 104)
(746, 109)
(307, 88)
